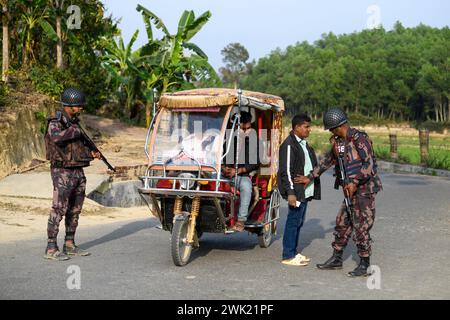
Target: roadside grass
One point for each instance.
(408, 148)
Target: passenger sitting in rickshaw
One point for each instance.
(248, 162)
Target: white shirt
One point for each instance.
(309, 191)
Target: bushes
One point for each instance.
(50, 81)
(3, 93)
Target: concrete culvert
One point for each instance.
(123, 194)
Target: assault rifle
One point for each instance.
(91, 145)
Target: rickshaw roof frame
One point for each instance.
(220, 97)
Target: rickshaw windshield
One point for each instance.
(185, 134)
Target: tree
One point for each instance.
(178, 60)
(5, 51)
(399, 74)
(58, 9)
(169, 63)
(235, 57)
(122, 67)
(173, 62)
(31, 18)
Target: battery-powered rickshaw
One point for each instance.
(192, 135)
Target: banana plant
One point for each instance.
(32, 17)
(123, 66)
(166, 64)
(177, 56)
(173, 61)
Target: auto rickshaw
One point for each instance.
(187, 144)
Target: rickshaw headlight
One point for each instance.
(186, 184)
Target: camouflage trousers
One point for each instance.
(69, 186)
(363, 217)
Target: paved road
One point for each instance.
(132, 260)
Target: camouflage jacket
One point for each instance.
(64, 143)
(359, 161)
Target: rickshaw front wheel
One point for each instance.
(265, 236)
(180, 248)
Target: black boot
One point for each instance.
(361, 269)
(334, 263)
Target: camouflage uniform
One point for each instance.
(360, 164)
(68, 155)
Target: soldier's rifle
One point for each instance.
(91, 145)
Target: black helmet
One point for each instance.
(334, 118)
(73, 97)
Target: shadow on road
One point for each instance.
(122, 232)
(233, 242)
(312, 230)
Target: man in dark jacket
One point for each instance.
(296, 158)
(68, 155)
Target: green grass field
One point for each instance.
(408, 147)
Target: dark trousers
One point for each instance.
(363, 219)
(294, 222)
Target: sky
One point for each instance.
(262, 26)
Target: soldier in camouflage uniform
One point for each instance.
(364, 184)
(68, 155)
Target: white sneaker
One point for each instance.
(296, 261)
(303, 258)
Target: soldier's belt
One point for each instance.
(63, 165)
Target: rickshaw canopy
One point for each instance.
(220, 97)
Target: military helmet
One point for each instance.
(334, 118)
(73, 97)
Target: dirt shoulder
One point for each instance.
(26, 218)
